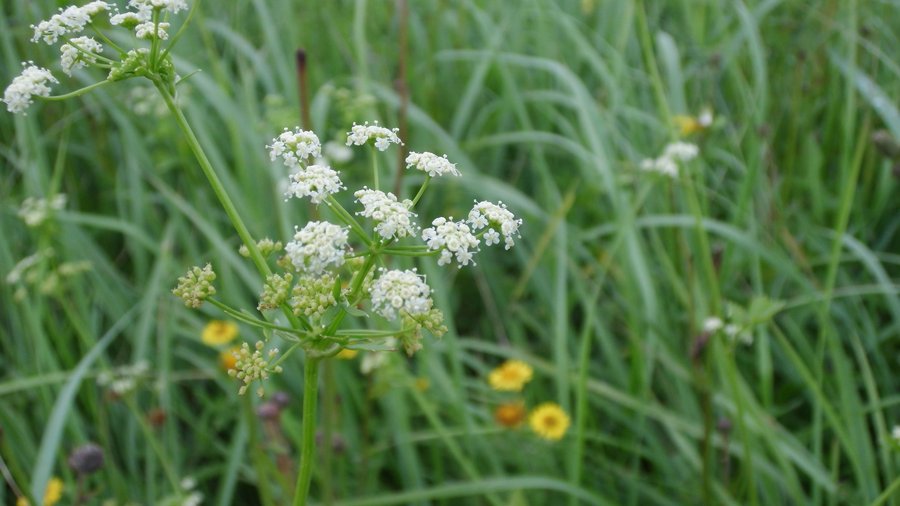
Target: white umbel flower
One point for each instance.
(394, 219)
(432, 164)
(295, 146)
(31, 82)
(148, 30)
(397, 290)
(35, 211)
(712, 324)
(316, 182)
(129, 19)
(317, 247)
(384, 137)
(667, 163)
(452, 239)
(78, 52)
(173, 6)
(498, 218)
(68, 21)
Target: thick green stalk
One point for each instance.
(308, 432)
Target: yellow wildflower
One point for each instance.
(510, 414)
(422, 384)
(52, 494)
(549, 421)
(689, 125)
(228, 359)
(347, 354)
(219, 332)
(511, 376)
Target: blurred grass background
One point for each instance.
(549, 106)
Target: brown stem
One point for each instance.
(402, 91)
(303, 89)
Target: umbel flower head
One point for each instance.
(78, 52)
(510, 376)
(251, 366)
(431, 164)
(195, 286)
(68, 21)
(295, 147)
(32, 82)
(317, 247)
(403, 291)
(313, 295)
(394, 219)
(549, 421)
(500, 221)
(452, 238)
(384, 137)
(667, 163)
(316, 182)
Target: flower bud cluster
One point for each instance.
(431, 320)
(265, 246)
(393, 218)
(195, 286)
(251, 366)
(313, 295)
(275, 291)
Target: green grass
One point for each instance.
(550, 107)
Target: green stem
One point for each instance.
(308, 431)
(375, 168)
(219, 189)
(76, 93)
(348, 219)
(421, 191)
(107, 40)
(230, 311)
(181, 30)
(355, 287)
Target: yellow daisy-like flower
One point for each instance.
(228, 359)
(511, 376)
(347, 354)
(219, 332)
(549, 421)
(52, 494)
(510, 414)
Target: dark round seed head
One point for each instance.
(86, 459)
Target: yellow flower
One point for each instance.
(422, 384)
(689, 125)
(511, 376)
(52, 494)
(219, 332)
(227, 358)
(549, 421)
(510, 414)
(347, 354)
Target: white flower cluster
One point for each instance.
(295, 146)
(733, 331)
(394, 219)
(35, 211)
(316, 182)
(124, 379)
(173, 6)
(495, 216)
(432, 164)
(667, 163)
(397, 290)
(68, 21)
(148, 30)
(317, 247)
(31, 82)
(384, 137)
(452, 238)
(79, 52)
